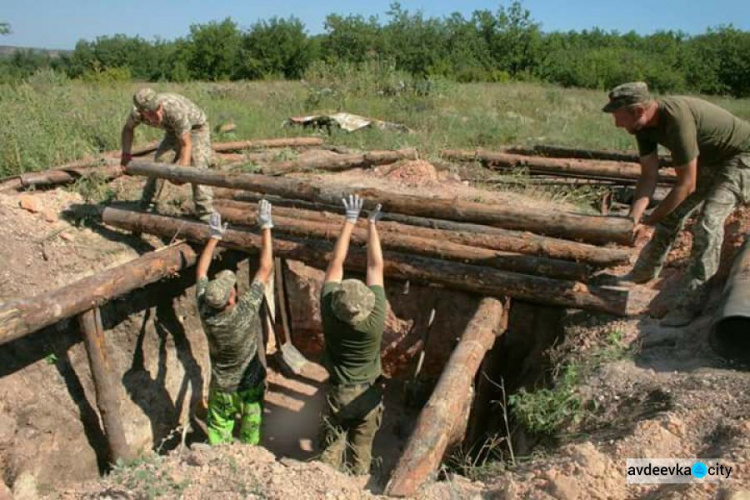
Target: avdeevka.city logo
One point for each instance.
(676, 470)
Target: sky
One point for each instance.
(59, 24)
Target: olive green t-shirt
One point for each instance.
(352, 353)
(693, 128)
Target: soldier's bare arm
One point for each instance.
(265, 221)
(687, 177)
(335, 271)
(375, 262)
(186, 146)
(217, 233)
(645, 187)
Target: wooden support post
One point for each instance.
(443, 413)
(23, 316)
(472, 278)
(107, 399)
(594, 229)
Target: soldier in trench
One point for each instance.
(710, 149)
(187, 134)
(353, 315)
(232, 325)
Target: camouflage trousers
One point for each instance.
(200, 156)
(354, 414)
(223, 408)
(720, 189)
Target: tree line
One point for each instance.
(507, 44)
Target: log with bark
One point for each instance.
(458, 232)
(295, 223)
(592, 229)
(605, 170)
(583, 154)
(457, 276)
(284, 142)
(442, 415)
(23, 316)
(107, 396)
(338, 163)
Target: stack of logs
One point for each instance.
(497, 251)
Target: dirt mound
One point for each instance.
(413, 173)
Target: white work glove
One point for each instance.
(214, 224)
(353, 207)
(264, 215)
(376, 214)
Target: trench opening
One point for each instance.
(162, 370)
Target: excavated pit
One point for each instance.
(160, 364)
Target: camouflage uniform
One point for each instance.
(353, 321)
(237, 375)
(691, 128)
(180, 116)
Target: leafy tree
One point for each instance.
(4, 28)
(214, 50)
(278, 47)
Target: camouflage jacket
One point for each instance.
(233, 338)
(180, 115)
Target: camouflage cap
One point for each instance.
(352, 302)
(627, 94)
(145, 99)
(219, 289)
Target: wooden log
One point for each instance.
(340, 163)
(24, 316)
(107, 399)
(583, 154)
(470, 278)
(284, 142)
(592, 229)
(617, 171)
(458, 232)
(442, 414)
(294, 222)
(48, 178)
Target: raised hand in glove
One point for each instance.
(376, 214)
(214, 224)
(264, 215)
(353, 207)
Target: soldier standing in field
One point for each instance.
(187, 133)
(710, 150)
(353, 315)
(232, 325)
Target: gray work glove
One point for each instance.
(376, 214)
(353, 207)
(214, 224)
(264, 215)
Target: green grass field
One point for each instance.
(49, 120)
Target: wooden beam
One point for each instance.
(593, 169)
(295, 223)
(27, 315)
(482, 280)
(283, 142)
(339, 163)
(442, 415)
(593, 229)
(494, 238)
(107, 399)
